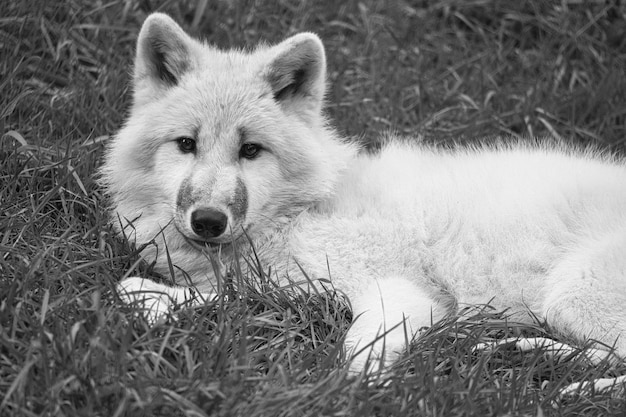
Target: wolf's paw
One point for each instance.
(616, 386)
(549, 347)
(561, 351)
(527, 344)
(374, 356)
(156, 301)
(151, 299)
(364, 361)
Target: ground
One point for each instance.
(446, 71)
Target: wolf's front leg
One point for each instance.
(387, 313)
(157, 301)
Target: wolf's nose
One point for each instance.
(208, 223)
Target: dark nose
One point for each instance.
(208, 222)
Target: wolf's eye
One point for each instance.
(186, 145)
(249, 150)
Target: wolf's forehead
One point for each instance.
(231, 65)
(227, 83)
(221, 89)
(220, 103)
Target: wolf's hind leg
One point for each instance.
(586, 294)
(158, 301)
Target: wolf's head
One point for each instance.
(220, 143)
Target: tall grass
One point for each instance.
(449, 70)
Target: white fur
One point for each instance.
(408, 233)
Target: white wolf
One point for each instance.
(232, 146)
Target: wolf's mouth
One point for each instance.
(203, 244)
(199, 244)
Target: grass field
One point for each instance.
(446, 70)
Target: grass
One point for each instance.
(449, 70)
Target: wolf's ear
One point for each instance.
(163, 52)
(297, 73)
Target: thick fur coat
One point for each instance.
(232, 146)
